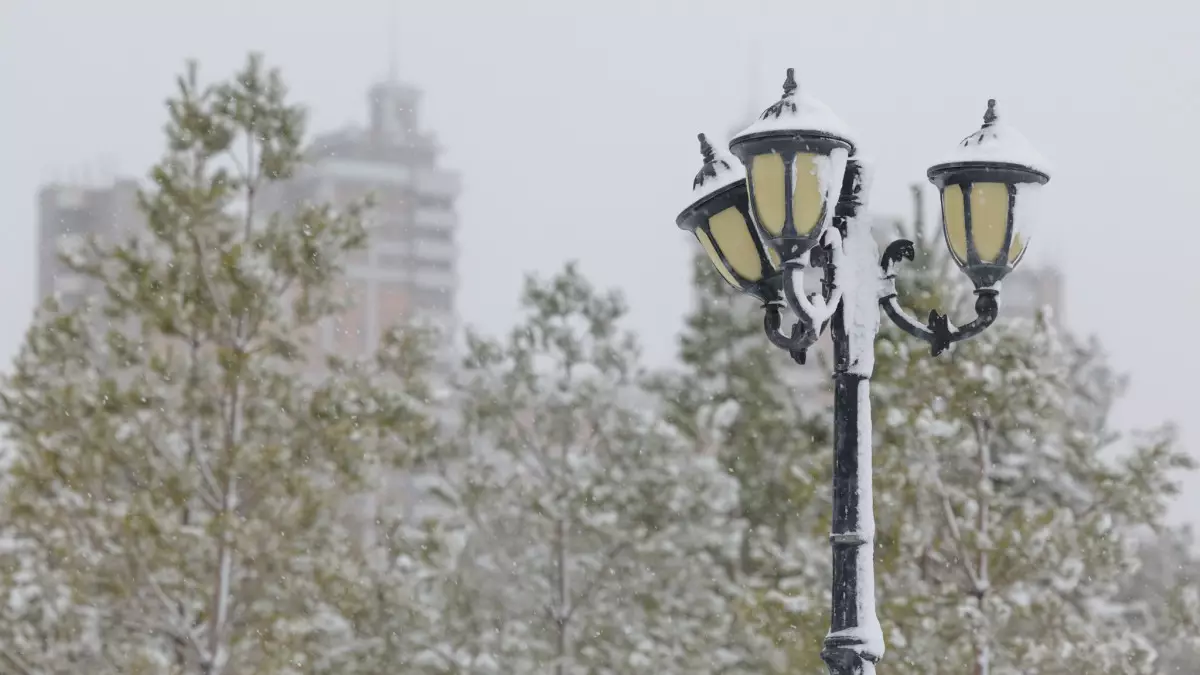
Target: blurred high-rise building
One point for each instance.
(406, 273)
(409, 269)
(68, 213)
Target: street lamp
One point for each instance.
(799, 158)
(720, 218)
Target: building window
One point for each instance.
(439, 300)
(394, 303)
(435, 250)
(393, 261)
(387, 228)
(436, 202)
(432, 234)
(433, 264)
(391, 201)
(440, 219)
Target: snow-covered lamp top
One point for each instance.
(996, 142)
(800, 112)
(990, 187)
(795, 156)
(720, 170)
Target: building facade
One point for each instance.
(67, 215)
(408, 272)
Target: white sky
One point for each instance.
(574, 126)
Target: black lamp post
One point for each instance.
(794, 203)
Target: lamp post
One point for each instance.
(793, 202)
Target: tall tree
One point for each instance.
(1007, 504)
(1163, 597)
(584, 526)
(175, 479)
(744, 401)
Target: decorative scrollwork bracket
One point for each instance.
(937, 331)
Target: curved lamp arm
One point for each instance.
(938, 331)
(813, 311)
(816, 309)
(802, 336)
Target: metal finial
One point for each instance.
(789, 84)
(712, 163)
(393, 45)
(706, 149)
(787, 102)
(989, 117)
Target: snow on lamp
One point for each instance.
(719, 216)
(795, 155)
(989, 188)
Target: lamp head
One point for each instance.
(794, 155)
(989, 189)
(719, 217)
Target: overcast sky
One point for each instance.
(574, 126)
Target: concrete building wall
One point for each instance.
(67, 215)
(408, 272)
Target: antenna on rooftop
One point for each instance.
(393, 42)
(753, 75)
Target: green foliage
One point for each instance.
(1007, 505)
(733, 397)
(175, 477)
(1163, 597)
(583, 529)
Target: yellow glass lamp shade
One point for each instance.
(795, 156)
(809, 200)
(989, 191)
(954, 216)
(720, 219)
(767, 172)
(734, 238)
(989, 220)
(714, 256)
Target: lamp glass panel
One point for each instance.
(989, 219)
(954, 217)
(766, 181)
(715, 257)
(1018, 248)
(1027, 212)
(732, 236)
(807, 199)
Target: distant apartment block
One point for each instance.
(67, 215)
(409, 270)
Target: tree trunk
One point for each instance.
(563, 610)
(982, 632)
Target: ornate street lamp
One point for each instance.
(989, 193)
(720, 219)
(799, 159)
